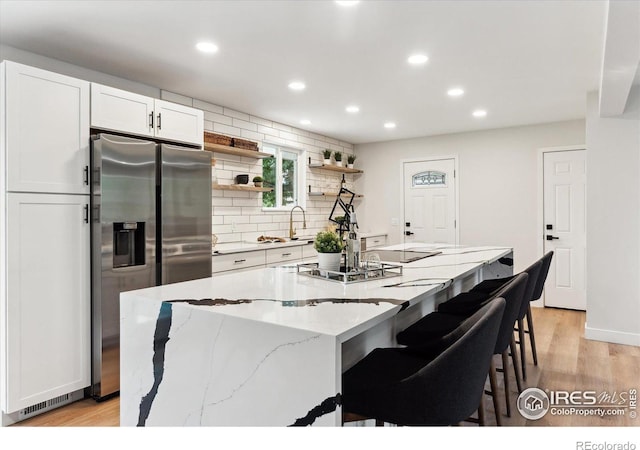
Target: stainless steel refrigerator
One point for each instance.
(151, 225)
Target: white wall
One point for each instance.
(613, 223)
(498, 182)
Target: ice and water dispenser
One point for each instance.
(128, 244)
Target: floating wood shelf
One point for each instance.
(240, 187)
(334, 168)
(217, 148)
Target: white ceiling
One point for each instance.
(524, 62)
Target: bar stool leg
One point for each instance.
(481, 418)
(523, 359)
(505, 375)
(531, 336)
(494, 393)
(514, 359)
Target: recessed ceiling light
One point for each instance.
(297, 85)
(455, 92)
(352, 109)
(207, 47)
(305, 122)
(418, 59)
(347, 3)
(479, 113)
(390, 125)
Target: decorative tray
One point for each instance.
(377, 272)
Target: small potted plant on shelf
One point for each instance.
(338, 157)
(350, 160)
(329, 247)
(257, 181)
(326, 153)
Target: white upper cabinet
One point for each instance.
(45, 130)
(117, 110)
(125, 112)
(178, 122)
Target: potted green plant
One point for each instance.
(329, 247)
(257, 181)
(350, 160)
(326, 153)
(338, 157)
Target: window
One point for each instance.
(284, 172)
(429, 178)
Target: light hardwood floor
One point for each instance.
(566, 361)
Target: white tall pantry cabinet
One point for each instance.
(44, 238)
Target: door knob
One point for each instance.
(408, 233)
(551, 238)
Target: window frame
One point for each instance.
(301, 178)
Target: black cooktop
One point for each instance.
(401, 256)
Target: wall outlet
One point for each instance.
(394, 221)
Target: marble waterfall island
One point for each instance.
(267, 347)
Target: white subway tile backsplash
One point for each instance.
(260, 121)
(226, 129)
(218, 118)
(238, 215)
(268, 130)
(222, 201)
(237, 114)
(207, 106)
(253, 136)
(230, 220)
(261, 219)
(282, 127)
(244, 124)
(288, 136)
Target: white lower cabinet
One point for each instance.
(309, 252)
(237, 261)
(261, 258)
(373, 241)
(46, 304)
(278, 256)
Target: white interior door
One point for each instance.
(565, 228)
(430, 201)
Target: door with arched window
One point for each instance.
(430, 209)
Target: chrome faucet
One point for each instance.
(292, 231)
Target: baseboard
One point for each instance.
(615, 337)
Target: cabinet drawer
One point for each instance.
(309, 252)
(373, 241)
(280, 255)
(235, 261)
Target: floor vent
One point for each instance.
(41, 407)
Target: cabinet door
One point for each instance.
(277, 256)
(179, 123)
(237, 261)
(117, 110)
(46, 311)
(46, 139)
